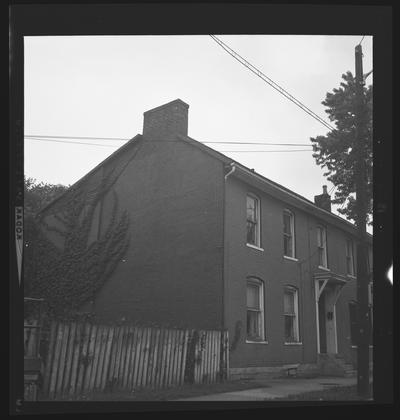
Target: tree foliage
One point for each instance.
(38, 194)
(69, 270)
(337, 151)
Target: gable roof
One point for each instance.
(268, 186)
(133, 141)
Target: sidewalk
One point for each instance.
(278, 388)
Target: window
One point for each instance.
(255, 310)
(291, 314)
(370, 293)
(353, 322)
(350, 257)
(370, 261)
(288, 234)
(353, 313)
(322, 256)
(253, 221)
(370, 311)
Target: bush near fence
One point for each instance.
(84, 357)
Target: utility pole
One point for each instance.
(361, 213)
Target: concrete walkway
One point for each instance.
(277, 388)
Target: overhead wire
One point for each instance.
(223, 151)
(36, 136)
(262, 76)
(265, 151)
(71, 142)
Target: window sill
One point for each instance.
(323, 268)
(290, 258)
(255, 247)
(256, 342)
(293, 344)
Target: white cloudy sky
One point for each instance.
(101, 85)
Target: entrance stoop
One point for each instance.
(335, 365)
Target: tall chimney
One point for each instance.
(166, 121)
(323, 200)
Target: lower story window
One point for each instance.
(353, 315)
(255, 310)
(291, 314)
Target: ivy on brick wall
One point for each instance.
(71, 275)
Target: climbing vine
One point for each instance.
(69, 276)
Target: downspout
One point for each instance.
(225, 256)
(231, 171)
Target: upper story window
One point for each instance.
(291, 314)
(322, 250)
(350, 257)
(253, 220)
(255, 310)
(288, 234)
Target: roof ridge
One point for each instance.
(223, 157)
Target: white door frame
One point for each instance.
(319, 288)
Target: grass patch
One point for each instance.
(334, 393)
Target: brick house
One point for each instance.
(214, 245)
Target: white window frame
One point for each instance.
(322, 246)
(296, 332)
(257, 243)
(350, 257)
(261, 312)
(291, 235)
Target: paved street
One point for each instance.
(277, 388)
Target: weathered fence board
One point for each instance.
(50, 355)
(68, 359)
(84, 358)
(75, 361)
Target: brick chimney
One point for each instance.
(166, 121)
(323, 200)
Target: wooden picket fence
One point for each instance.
(84, 358)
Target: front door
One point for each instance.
(327, 319)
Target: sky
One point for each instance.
(99, 86)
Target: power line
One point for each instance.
(266, 79)
(255, 143)
(223, 151)
(264, 151)
(72, 142)
(76, 137)
(361, 40)
(49, 138)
